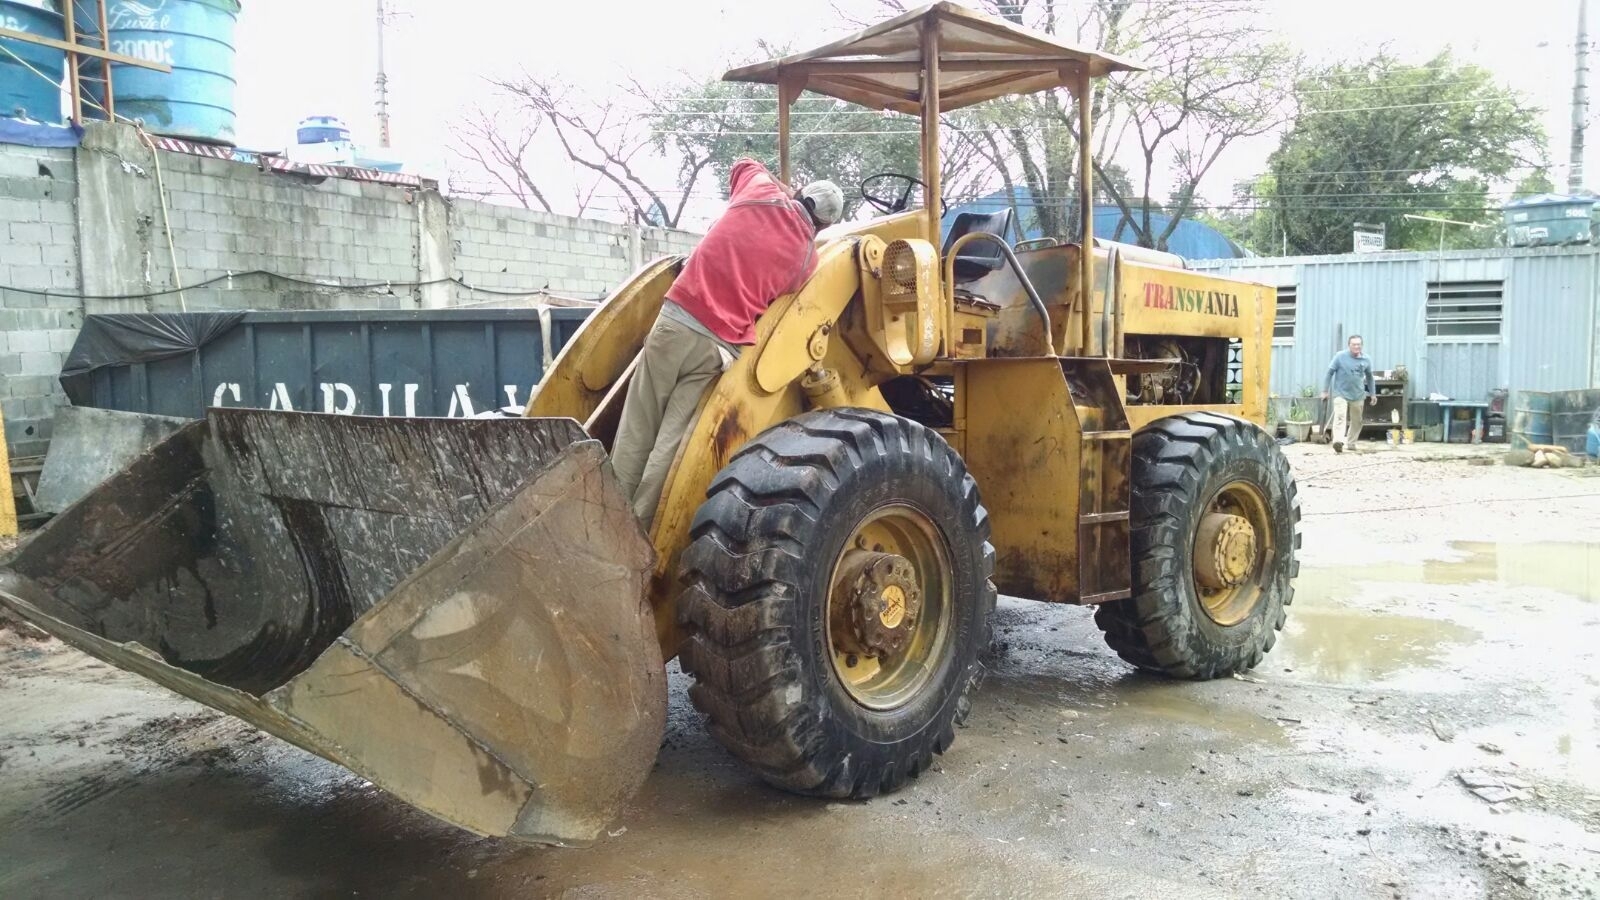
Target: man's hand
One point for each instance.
(1372, 400)
(1324, 395)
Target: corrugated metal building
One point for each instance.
(1462, 322)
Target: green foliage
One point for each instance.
(1536, 183)
(1300, 408)
(1375, 140)
(709, 126)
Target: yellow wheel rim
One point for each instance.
(919, 614)
(1232, 553)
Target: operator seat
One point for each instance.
(978, 258)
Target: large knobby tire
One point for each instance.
(767, 549)
(1185, 469)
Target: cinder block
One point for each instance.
(14, 210)
(67, 304)
(18, 162)
(179, 163)
(34, 277)
(58, 255)
(41, 363)
(57, 212)
(63, 278)
(14, 254)
(64, 234)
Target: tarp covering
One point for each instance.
(125, 338)
(29, 133)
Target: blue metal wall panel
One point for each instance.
(1463, 369)
(1549, 331)
(1550, 322)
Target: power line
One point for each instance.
(275, 276)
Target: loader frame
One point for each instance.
(1060, 513)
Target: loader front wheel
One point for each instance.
(839, 592)
(1215, 527)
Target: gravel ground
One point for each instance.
(1426, 727)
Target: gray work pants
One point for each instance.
(675, 367)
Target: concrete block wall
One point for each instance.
(90, 221)
(507, 248)
(38, 255)
(228, 217)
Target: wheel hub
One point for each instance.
(882, 603)
(1225, 551)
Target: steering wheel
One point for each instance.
(889, 203)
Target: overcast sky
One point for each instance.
(304, 57)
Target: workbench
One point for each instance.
(1479, 408)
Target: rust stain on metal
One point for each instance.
(729, 436)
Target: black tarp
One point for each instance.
(126, 338)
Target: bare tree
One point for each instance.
(496, 156)
(701, 128)
(1216, 75)
(606, 138)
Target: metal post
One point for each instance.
(1085, 88)
(1580, 100)
(383, 80)
(105, 64)
(789, 89)
(930, 124)
(635, 241)
(783, 137)
(67, 14)
(930, 163)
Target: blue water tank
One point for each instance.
(322, 130)
(195, 38)
(21, 88)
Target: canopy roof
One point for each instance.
(980, 58)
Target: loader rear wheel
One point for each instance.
(839, 592)
(1216, 523)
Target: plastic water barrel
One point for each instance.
(20, 87)
(1530, 420)
(194, 37)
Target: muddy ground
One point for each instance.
(1445, 636)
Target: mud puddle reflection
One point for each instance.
(1328, 640)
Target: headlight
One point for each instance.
(900, 269)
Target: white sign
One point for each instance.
(341, 399)
(1369, 242)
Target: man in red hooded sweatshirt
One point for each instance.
(759, 250)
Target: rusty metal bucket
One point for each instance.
(453, 609)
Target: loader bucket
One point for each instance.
(452, 609)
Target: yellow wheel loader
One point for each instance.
(466, 613)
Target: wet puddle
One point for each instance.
(1356, 646)
(1567, 568)
(1329, 641)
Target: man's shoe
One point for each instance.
(1338, 446)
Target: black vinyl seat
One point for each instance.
(978, 258)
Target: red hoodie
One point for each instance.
(759, 250)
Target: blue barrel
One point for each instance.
(1530, 420)
(21, 88)
(195, 38)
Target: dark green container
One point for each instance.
(1530, 420)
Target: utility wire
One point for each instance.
(276, 276)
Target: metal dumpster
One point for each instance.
(443, 362)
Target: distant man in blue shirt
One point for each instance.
(1350, 380)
